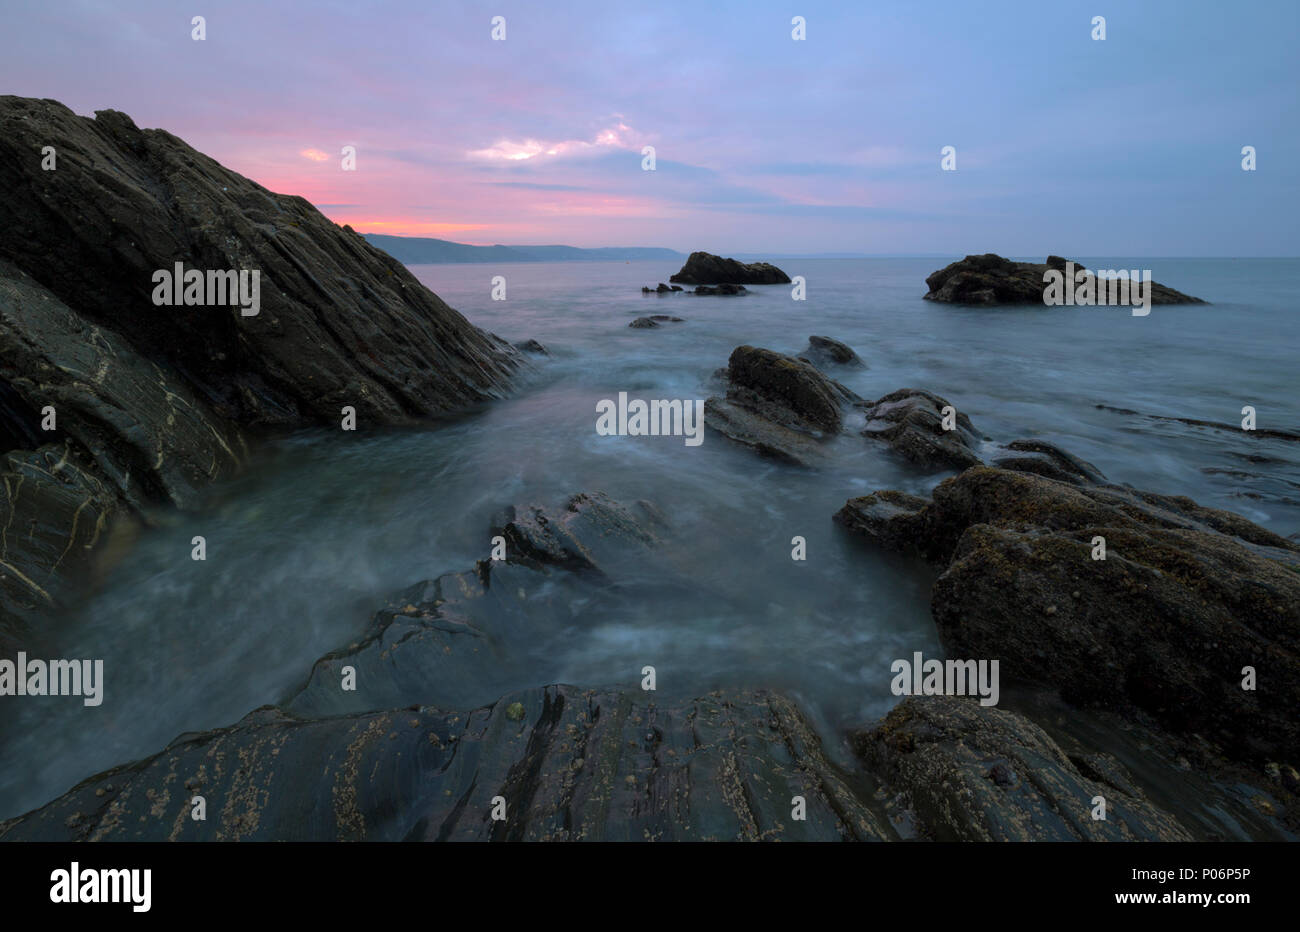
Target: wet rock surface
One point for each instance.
(990, 280)
(968, 773)
(567, 763)
(911, 421)
(1186, 598)
(780, 405)
(704, 268)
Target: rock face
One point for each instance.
(966, 773)
(703, 268)
(152, 402)
(571, 764)
(990, 279)
(1185, 599)
(780, 405)
(340, 322)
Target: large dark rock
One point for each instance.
(703, 268)
(570, 764)
(153, 402)
(1185, 599)
(780, 405)
(990, 279)
(963, 772)
(341, 323)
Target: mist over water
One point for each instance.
(328, 525)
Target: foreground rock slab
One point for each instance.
(569, 764)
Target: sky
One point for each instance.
(1130, 146)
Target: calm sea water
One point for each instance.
(305, 547)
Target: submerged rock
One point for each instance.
(704, 268)
(910, 420)
(532, 346)
(990, 279)
(970, 773)
(654, 320)
(721, 289)
(823, 351)
(449, 641)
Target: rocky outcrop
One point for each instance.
(560, 763)
(661, 289)
(1185, 599)
(823, 352)
(780, 405)
(703, 268)
(340, 323)
(961, 772)
(153, 402)
(990, 280)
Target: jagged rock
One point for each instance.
(990, 279)
(592, 530)
(448, 641)
(703, 268)
(340, 322)
(1185, 598)
(910, 420)
(721, 289)
(778, 404)
(823, 351)
(973, 773)
(575, 765)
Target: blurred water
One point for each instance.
(305, 547)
